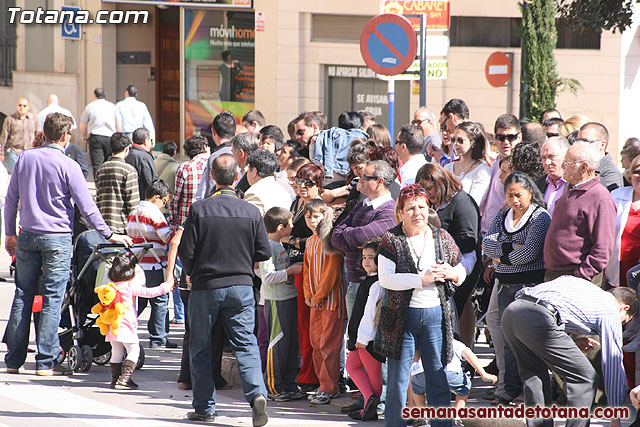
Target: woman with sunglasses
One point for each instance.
(308, 181)
(459, 215)
(419, 267)
(469, 143)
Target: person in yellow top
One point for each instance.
(324, 291)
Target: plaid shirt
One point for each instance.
(188, 177)
(116, 192)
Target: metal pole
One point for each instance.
(423, 60)
(391, 89)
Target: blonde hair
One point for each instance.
(573, 123)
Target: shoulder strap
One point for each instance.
(152, 250)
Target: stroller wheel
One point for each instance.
(75, 358)
(140, 363)
(102, 360)
(87, 357)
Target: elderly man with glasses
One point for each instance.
(596, 134)
(580, 242)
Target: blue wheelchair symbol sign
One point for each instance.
(71, 30)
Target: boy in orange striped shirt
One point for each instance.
(324, 290)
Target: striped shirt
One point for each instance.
(323, 277)
(116, 192)
(188, 177)
(586, 309)
(515, 264)
(146, 224)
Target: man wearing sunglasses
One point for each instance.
(508, 135)
(18, 131)
(596, 134)
(368, 219)
(454, 112)
(308, 125)
(426, 120)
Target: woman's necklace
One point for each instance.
(468, 169)
(424, 245)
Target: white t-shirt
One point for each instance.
(475, 182)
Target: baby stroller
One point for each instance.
(81, 342)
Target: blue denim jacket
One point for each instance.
(332, 147)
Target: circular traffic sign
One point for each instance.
(497, 70)
(388, 44)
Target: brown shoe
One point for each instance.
(124, 380)
(116, 370)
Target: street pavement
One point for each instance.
(85, 399)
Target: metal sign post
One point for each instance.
(423, 60)
(391, 88)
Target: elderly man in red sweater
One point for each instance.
(581, 236)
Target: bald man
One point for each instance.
(18, 132)
(597, 135)
(53, 106)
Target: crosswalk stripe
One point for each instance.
(90, 412)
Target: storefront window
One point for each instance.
(219, 66)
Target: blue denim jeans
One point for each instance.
(423, 332)
(158, 324)
(50, 255)
(512, 381)
(235, 305)
(350, 296)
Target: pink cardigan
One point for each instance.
(128, 331)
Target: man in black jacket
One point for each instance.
(140, 157)
(223, 237)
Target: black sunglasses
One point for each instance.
(443, 125)
(552, 134)
(511, 137)
(370, 177)
(300, 132)
(306, 182)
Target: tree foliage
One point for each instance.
(597, 15)
(539, 38)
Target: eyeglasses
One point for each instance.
(300, 132)
(564, 162)
(458, 140)
(552, 134)
(69, 132)
(306, 182)
(165, 200)
(417, 122)
(511, 137)
(370, 177)
(443, 125)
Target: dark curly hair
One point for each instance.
(525, 157)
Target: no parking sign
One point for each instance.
(388, 44)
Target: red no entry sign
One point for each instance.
(388, 44)
(498, 69)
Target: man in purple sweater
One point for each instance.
(45, 181)
(368, 219)
(581, 236)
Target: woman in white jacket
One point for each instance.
(626, 249)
